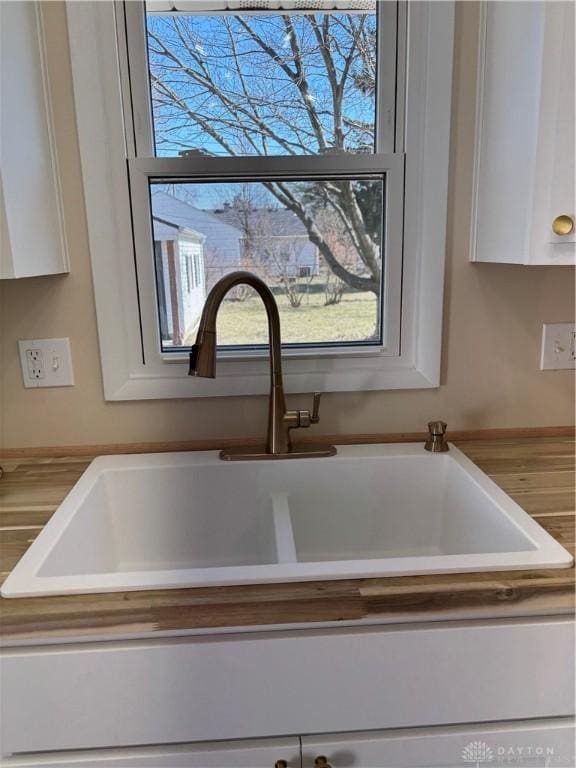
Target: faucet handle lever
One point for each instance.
(304, 418)
(315, 418)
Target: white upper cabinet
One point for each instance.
(32, 237)
(524, 207)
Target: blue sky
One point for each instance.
(220, 52)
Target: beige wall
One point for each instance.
(493, 319)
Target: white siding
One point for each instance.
(192, 288)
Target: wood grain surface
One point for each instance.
(231, 442)
(537, 472)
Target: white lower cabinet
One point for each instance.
(529, 744)
(112, 703)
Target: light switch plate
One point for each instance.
(46, 363)
(558, 350)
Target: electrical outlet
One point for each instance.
(35, 363)
(558, 347)
(46, 363)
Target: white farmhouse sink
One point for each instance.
(188, 519)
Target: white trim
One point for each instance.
(386, 108)
(478, 124)
(131, 21)
(162, 7)
(103, 154)
(54, 160)
(101, 137)
(429, 77)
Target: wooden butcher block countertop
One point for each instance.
(537, 472)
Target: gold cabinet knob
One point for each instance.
(563, 225)
(321, 762)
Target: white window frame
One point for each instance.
(133, 366)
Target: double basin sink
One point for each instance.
(173, 520)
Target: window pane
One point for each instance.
(316, 243)
(272, 84)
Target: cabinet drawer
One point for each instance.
(525, 744)
(280, 683)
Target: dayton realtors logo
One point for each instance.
(477, 753)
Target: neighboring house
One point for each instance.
(222, 247)
(179, 262)
(194, 248)
(274, 240)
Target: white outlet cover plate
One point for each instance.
(56, 361)
(558, 351)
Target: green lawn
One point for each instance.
(353, 319)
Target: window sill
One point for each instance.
(146, 386)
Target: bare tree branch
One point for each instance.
(302, 83)
(282, 193)
(291, 85)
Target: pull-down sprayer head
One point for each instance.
(203, 355)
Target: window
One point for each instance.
(272, 84)
(271, 137)
(265, 83)
(255, 232)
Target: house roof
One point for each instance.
(222, 229)
(163, 230)
(277, 221)
(169, 215)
